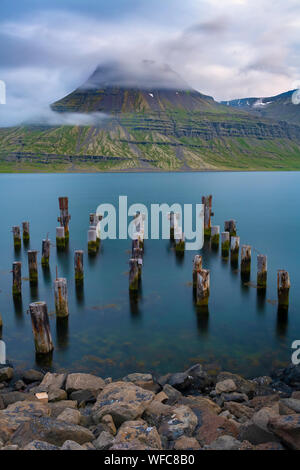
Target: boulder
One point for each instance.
(50, 430)
(71, 445)
(19, 385)
(31, 376)
(40, 445)
(156, 412)
(289, 376)
(186, 443)
(239, 410)
(57, 394)
(242, 385)
(226, 386)
(69, 415)
(52, 381)
(210, 427)
(263, 401)
(124, 401)
(291, 404)
(182, 421)
(56, 408)
(225, 443)
(162, 397)
(198, 403)
(262, 417)
(84, 397)
(172, 394)
(287, 429)
(138, 431)
(77, 382)
(13, 397)
(108, 422)
(144, 381)
(255, 435)
(6, 374)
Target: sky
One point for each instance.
(224, 48)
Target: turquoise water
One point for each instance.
(109, 334)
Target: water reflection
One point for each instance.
(34, 292)
(261, 295)
(44, 360)
(18, 307)
(134, 303)
(202, 315)
(47, 275)
(62, 333)
(79, 291)
(282, 322)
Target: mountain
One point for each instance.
(146, 118)
(283, 107)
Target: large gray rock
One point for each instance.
(124, 401)
(173, 395)
(242, 385)
(104, 441)
(40, 445)
(52, 381)
(292, 404)
(71, 445)
(226, 386)
(144, 381)
(57, 394)
(50, 430)
(287, 429)
(13, 397)
(6, 374)
(182, 421)
(69, 415)
(58, 407)
(31, 376)
(225, 443)
(77, 382)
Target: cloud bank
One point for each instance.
(228, 49)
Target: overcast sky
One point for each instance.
(223, 48)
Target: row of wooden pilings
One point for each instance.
(230, 244)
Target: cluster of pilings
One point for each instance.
(230, 245)
(17, 235)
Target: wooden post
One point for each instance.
(172, 225)
(138, 254)
(17, 279)
(33, 266)
(26, 234)
(17, 236)
(179, 241)
(60, 237)
(203, 287)
(93, 220)
(283, 286)
(92, 241)
(207, 202)
(215, 236)
(225, 244)
(197, 266)
(133, 274)
(262, 271)
(45, 252)
(78, 265)
(64, 218)
(230, 226)
(41, 327)
(246, 259)
(235, 248)
(61, 297)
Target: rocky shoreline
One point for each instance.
(190, 410)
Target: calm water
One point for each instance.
(112, 336)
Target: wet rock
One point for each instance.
(239, 410)
(255, 435)
(173, 395)
(194, 378)
(210, 427)
(40, 445)
(144, 381)
(69, 415)
(13, 397)
(287, 429)
(226, 386)
(225, 443)
(242, 385)
(52, 381)
(56, 408)
(182, 421)
(139, 431)
(77, 382)
(31, 375)
(84, 397)
(52, 431)
(104, 441)
(124, 401)
(71, 445)
(57, 394)
(186, 443)
(18, 413)
(6, 374)
(284, 389)
(289, 376)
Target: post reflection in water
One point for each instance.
(79, 291)
(62, 333)
(44, 360)
(18, 307)
(282, 322)
(135, 298)
(34, 292)
(47, 275)
(261, 299)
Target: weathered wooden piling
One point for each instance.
(283, 287)
(207, 202)
(92, 241)
(230, 226)
(179, 241)
(41, 327)
(45, 252)
(172, 225)
(64, 218)
(215, 236)
(60, 237)
(197, 266)
(133, 274)
(262, 271)
(246, 259)
(78, 265)
(203, 287)
(33, 266)
(17, 279)
(61, 297)
(17, 236)
(26, 233)
(225, 237)
(138, 254)
(235, 248)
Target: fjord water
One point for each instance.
(111, 335)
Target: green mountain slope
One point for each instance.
(169, 127)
